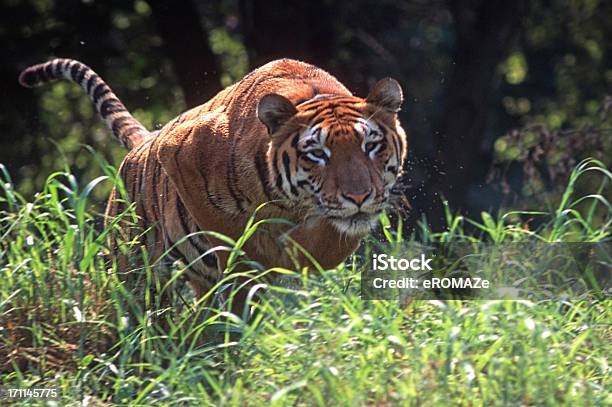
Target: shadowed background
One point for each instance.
(473, 71)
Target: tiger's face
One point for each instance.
(337, 156)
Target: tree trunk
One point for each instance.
(187, 45)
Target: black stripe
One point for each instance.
(233, 176)
(209, 196)
(279, 184)
(140, 174)
(180, 210)
(165, 181)
(330, 97)
(331, 105)
(210, 260)
(383, 130)
(351, 110)
(41, 75)
(211, 279)
(279, 180)
(232, 191)
(119, 123)
(135, 184)
(155, 204)
(80, 74)
(49, 70)
(57, 67)
(90, 82)
(348, 117)
(193, 240)
(310, 106)
(264, 178)
(74, 69)
(61, 66)
(294, 141)
(262, 173)
(398, 152)
(307, 158)
(319, 119)
(176, 254)
(288, 172)
(100, 90)
(111, 106)
(331, 101)
(316, 134)
(319, 135)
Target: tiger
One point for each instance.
(288, 138)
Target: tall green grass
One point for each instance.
(67, 321)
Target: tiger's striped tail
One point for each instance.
(126, 128)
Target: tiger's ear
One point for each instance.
(274, 110)
(387, 93)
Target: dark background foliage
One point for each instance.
(472, 72)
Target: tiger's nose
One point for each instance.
(357, 199)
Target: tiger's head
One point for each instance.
(338, 156)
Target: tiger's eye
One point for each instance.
(370, 146)
(319, 153)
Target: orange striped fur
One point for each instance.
(288, 133)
